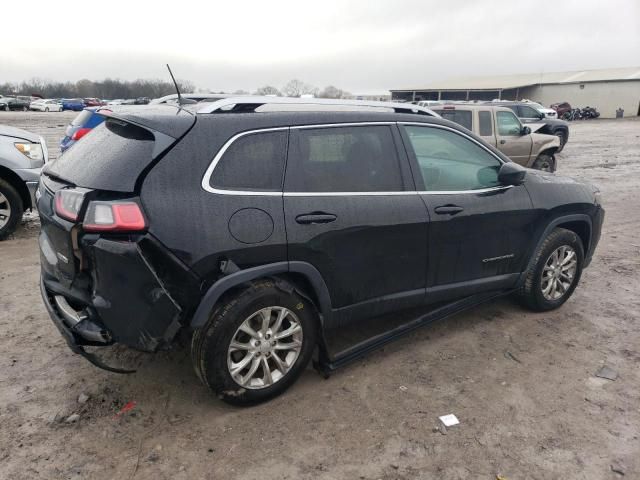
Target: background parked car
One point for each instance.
(46, 105)
(92, 102)
(429, 103)
(562, 109)
(80, 126)
(548, 112)
(500, 128)
(15, 103)
(22, 155)
(528, 114)
(75, 104)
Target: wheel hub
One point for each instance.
(559, 272)
(265, 347)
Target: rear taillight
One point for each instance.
(81, 132)
(114, 217)
(68, 203)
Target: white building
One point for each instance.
(606, 89)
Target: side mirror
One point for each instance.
(525, 130)
(541, 116)
(511, 173)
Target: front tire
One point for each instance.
(555, 272)
(545, 163)
(255, 344)
(11, 209)
(563, 140)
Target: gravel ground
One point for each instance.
(522, 384)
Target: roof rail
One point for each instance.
(251, 103)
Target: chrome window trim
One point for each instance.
(406, 192)
(206, 179)
(210, 169)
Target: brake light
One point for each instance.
(68, 203)
(114, 217)
(449, 107)
(80, 133)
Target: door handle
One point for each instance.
(448, 209)
(315, 217)
(502, 142)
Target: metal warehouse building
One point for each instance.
(607, 89)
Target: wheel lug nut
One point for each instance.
(257, 343)
(273, 344)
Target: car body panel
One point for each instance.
(384, 252)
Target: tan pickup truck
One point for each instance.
(500, 127)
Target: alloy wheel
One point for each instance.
(265, 347)
(5, 210)
(559, 273)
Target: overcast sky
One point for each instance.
(361, 46)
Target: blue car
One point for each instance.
(80, 126)
(75, 104)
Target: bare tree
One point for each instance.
(333, 92)
(268, 90)
(296, 88)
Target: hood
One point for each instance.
(7, 131)
(535, 126)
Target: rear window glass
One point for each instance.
(253, 162)
(461, 117)
(109, 157)
(82, 118)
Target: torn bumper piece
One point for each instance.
(76, 332)
(137, 296)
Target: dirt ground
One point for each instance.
(522, 384)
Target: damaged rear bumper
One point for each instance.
(137, 295)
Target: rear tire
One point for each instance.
(538, 292)
(545, 163)
(11, 209)
(222, 344)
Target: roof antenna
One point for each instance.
(180, 102)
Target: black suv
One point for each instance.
(274, 229)
(527, 114)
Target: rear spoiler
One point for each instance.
(165, 122)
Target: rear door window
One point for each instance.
(253, 162)
(461, 117)
(485, 124)
(343, 159)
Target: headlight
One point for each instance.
(597, 197)
(31, 150)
